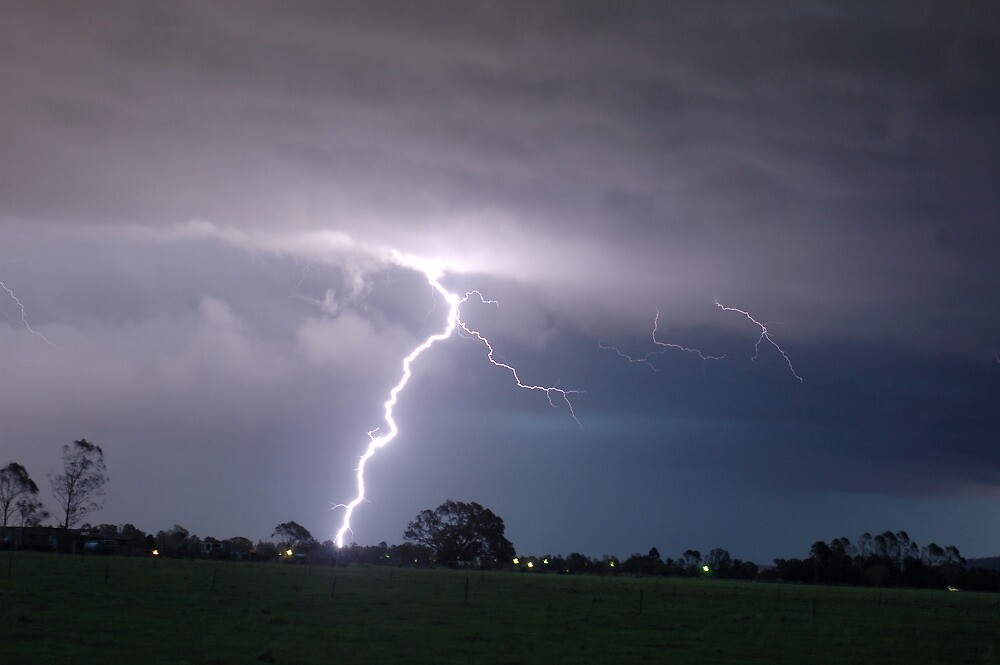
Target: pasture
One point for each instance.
(101, 609)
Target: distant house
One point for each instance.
(46, 538)
(211, 548)
(97, 545)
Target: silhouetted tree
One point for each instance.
(953, 564)
(264, 551)
(748, 570)
(639, 564)
(133, 533)
(578, 563)
(15, 486)
(295, 536)
(458, 531)
(793, 570)
(30, 512)
(933, 555)
(865, 545)
(178, 541)
(79, 489)
(410, 554)
(239, 544)
(720, 563)
(691, 562)
(842, 554)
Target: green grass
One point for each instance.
(93, 609)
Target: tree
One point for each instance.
(30, 512)
(691, 562)
(15, 486)
(134, 534)
(239, 544)
(264, 551)
(79, 489)
(719, 562)
(639, 564)
(578, 563)
(293, 535)
(458, 531)
(177, 541)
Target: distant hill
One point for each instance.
(989, 563)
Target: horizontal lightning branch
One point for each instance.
(667, 345)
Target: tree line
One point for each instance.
(886, 559)
(467, 534)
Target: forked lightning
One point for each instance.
(24, 315)
(453, 321)
(764, 334)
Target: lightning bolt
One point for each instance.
(24, 315)
(764, 335)
(668, 345)
(452, 322)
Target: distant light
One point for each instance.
(156, 552)
(288, 552)
(386, 556)
(531, 564)
(414, 561)
(705, 568)
(952, 588)
(516, 561)
(612, 564)
(545, 561)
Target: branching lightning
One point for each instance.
(764, 335)
(548, 390)
(24, 315)
(453, 321)
(667, 345)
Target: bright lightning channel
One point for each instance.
(376, 441)
(764, 335)
(667, 345)
(24, 315)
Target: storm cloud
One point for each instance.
(200, 203)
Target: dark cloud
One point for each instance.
(198, 203)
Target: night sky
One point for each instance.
(199, 204)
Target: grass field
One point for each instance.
(94, 609)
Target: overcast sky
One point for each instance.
(200, 202)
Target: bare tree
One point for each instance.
(79, 489)
(15, 485)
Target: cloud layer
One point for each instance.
(200, 205)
